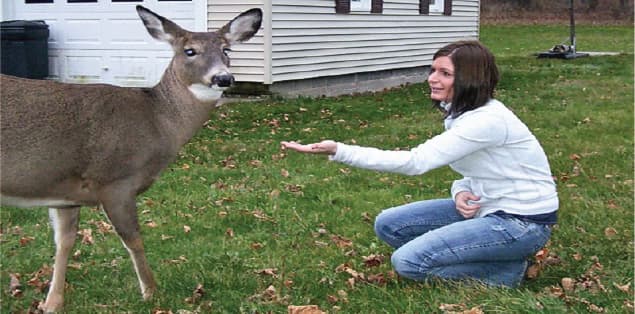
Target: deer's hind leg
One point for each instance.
(65, 223)
(120, 206)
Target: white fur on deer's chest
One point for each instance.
(34, 202)
(206, 93)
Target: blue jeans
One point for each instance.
(432, 240)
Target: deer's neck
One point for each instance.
(184, 108)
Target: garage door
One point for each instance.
(104, 41)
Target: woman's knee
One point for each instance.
(408, 265)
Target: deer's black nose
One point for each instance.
(223, 80)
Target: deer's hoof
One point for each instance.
(51, 306)
(147, 293)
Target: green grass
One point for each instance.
(251, 206)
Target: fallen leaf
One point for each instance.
(610, 232)
(373, 260)
(332, 299)
(624, 288)
(87, 236)
(275, 193)
(612, 204)
(268, 271)
(533, 271)
(270, 293)
(343, 295)
(229, 232)
(445, 307)
(366, 217)
(15, 287)
(196, 295)
(568, 284)
(341, 242)
(304, 309)
(26, 240)
(103, 227)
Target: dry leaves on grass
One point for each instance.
(459, 309)
(304, 309)
(197, 295)
(87, 236)
(40, 279)
(15, 287)
(341, 241)
(270, 295)
(589, 282)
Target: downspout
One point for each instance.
(267, 41)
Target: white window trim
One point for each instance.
(361, 5)
(437, 7)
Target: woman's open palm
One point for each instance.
(325, 147)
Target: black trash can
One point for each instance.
(24, 48)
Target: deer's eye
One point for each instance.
(226, 51)
(190, 52)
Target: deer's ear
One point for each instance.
(243, 27)
(158, 26)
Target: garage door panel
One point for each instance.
(127, 70)
(105, 41)
(83, 68)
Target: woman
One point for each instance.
(501, 210)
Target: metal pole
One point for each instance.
(572, 26)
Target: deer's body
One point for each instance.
(69, 145)
(77, 138)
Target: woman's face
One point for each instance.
(441, 79)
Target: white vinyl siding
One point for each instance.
(309, 40)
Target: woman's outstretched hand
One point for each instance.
(327, 147)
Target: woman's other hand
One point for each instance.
(327, 147)
(466, 208)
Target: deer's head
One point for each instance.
(201, 59)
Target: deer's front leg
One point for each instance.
(119, 204)
(65, 223)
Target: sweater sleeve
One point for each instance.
(460, 186)
(468, 135)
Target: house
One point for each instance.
(305, 47)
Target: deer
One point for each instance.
(65, 146)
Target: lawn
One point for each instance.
(236, 225)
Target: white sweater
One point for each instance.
(500, 159)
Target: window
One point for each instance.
(358, 6)
(435, 6)
(38, 1)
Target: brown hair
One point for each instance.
(475, 75)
